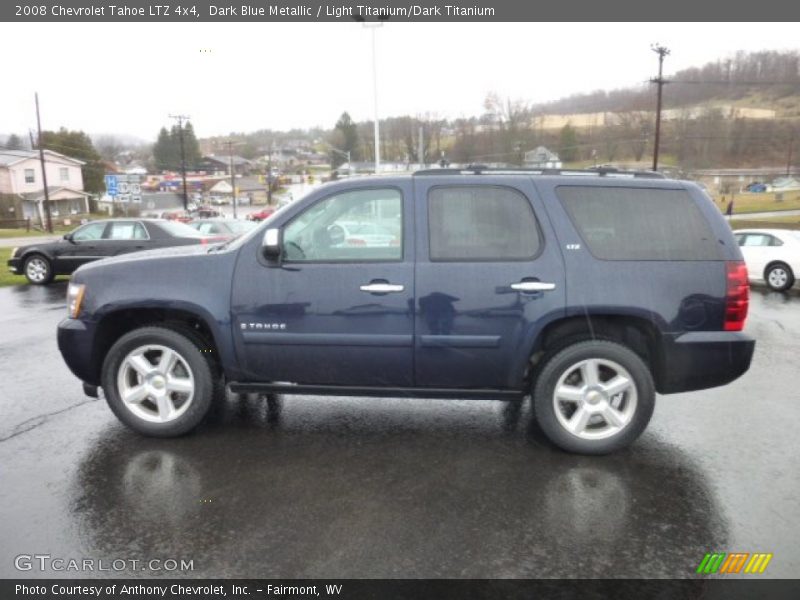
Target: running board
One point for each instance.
(381, 392)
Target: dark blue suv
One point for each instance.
(589, 291)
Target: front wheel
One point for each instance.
(594, 397)
(157, 382)
(779, 277)
(38, 270)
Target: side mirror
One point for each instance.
(271, 246)
(68, 237)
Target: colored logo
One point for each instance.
(733, 563)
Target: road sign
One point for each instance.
(111, 185)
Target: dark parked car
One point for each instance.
(42, 261)
(588, 291)
(225, 228)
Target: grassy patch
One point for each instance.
(12, 233)
(766, 202)
(6, 276)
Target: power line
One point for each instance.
(723, 82)
(44, 171)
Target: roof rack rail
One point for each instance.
(596, 171)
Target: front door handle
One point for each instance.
(381, 288)
(533, 286)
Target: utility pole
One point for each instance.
(181, 119)
(421, 149)
(233, 176)
(789, 158)
(269, 176)
(662, 51)
(44, 171)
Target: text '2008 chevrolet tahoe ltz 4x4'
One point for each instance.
(588, 291)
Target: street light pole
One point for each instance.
(373, 27)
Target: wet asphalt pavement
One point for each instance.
(352, 487)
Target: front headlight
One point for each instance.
(14, 251)
(75, 293)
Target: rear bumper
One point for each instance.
(75, 339)
(15, 266)
(702, 359)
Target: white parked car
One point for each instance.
(772, 255)
(351, 233)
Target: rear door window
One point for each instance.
(90, 232)
(126, 230)
(481, 222)
(619, 223)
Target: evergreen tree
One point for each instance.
(13, 142)
(346, 131)
(161, 151)
(191, 147)
(76, 144)
(167, 149)
(568, 144)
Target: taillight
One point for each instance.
(356, 242)
(737, 297)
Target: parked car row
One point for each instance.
(42, 261)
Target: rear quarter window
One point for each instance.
(619, 223)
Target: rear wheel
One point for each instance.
(38, 269)
(594, 397)
(158, 382)
(779, 277)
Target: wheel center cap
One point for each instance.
(593, 397)
(158, 382)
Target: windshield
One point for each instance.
(179, 229)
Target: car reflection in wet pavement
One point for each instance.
(355, 487)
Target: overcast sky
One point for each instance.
(127, 78)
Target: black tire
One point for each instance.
(779, 277)
(38, 269)
(560, 364)
(205, 382)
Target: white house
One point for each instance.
(542, 158)
(21, 180)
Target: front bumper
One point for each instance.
(75, 342)
(15, 266)
(702, 359)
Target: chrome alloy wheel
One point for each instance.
(156, 383)
(37, 269)
(778, 277)
(595, 399)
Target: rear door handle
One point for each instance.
(533, 286)
(381, 288)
